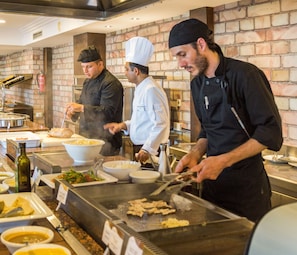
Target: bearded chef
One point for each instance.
(150, 123)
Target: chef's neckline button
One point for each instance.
(207, 82)
(217, 80)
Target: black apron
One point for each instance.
(243, 188)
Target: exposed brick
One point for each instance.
(263, 9)
(293, 104)
(250, 36)
(282, 103)
(263, 48)
(266, 61)
(248, 50)
(288, 5)
(232, 26)
(280, 19)
(247, 24)
(238, 13)
(280, 75)
(289, 61)
(280, 47)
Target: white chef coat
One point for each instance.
(150, 120)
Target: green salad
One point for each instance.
(74, 177)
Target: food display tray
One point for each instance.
(48, 179)
(41, 210)
(32, 140)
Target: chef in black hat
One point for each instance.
(100, 102)
(239, 119)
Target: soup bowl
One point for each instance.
(18, 237)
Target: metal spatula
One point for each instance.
(179, 177)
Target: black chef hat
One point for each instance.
(188, 31)
(89, 55)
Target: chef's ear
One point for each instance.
(201, 43)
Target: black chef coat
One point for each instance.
(244, 187)
(102, 98)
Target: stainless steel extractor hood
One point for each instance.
(81, 9)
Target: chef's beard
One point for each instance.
(201, 63)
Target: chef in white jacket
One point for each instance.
(150, 121)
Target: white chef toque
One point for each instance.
(139, 50)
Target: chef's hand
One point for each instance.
(73, 108)
(114, 127)
(209, 168)
(188, 161)
(142, 156)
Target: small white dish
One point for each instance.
(144, 176)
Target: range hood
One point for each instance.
(80, 9)
(12, 80)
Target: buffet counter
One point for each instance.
(104, 204)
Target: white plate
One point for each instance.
(5, 175)
(292, 164)
(275, 159)
(48, 179)
(40, 210)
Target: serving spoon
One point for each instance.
(13, 212)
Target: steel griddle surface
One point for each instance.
(196, 215)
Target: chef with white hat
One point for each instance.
(149, 125)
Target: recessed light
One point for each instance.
(108, 26)
(2, 21)
(135, 18)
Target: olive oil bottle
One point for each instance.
(23, 170)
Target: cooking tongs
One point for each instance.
(180, 181)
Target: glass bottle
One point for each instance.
(23, 170)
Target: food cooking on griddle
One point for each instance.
(139, 207)
(74, 177)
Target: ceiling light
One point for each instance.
(134, 18)
(2, 21)
(108, 26)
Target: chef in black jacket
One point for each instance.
(100, 102)
(239, 119)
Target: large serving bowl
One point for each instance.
(144, 176)
(43, 249)
(18, 237)
(83, 150)
(121, 169)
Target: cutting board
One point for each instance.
(47, 141)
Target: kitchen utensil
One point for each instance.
(13, 212)
(62, 125)
(179, 177)
(67, 235)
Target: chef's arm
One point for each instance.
(114, 127)
(212, 166)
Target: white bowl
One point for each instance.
(18, 237)
(43, 249)
(84, 150)
(3, 188)
(144, 176)
(120, 169)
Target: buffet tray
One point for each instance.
(32, 140)
(40, 210)
(48, 179)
